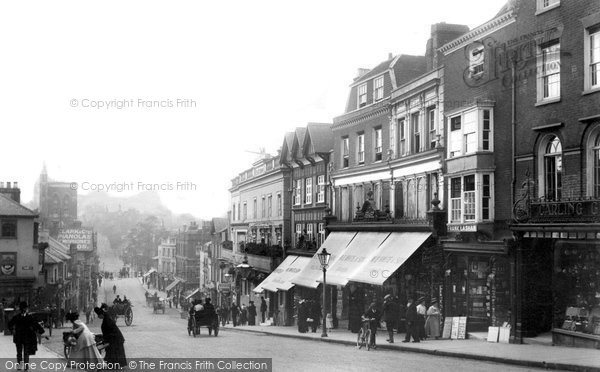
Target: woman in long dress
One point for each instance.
(85, 350)
(115, 351)
(432, 324)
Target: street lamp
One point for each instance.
(324, 257)
(244, 268)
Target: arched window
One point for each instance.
(553, 169)
(594, 163)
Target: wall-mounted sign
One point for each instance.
(82, 238)
(8, 264)
(463, 227)
(27, 267)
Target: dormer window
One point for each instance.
(378, 88)
(362, 95)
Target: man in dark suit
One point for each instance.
(411, 320)
(25, 334)
(390, 315)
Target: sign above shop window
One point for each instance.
(471, 227)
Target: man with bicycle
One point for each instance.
(372, 315)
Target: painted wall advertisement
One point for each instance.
(82, 238)
(8, 264)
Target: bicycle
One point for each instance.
(364, 334)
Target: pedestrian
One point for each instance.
(373, 316)
(251, 314)
(25, 332)
(243, 315)
(111, 334)
(170, 303)
(175, 301)
(314, 313)
(421, 314)
(227, 312)
(411, 319)
(114, 288)
(85, 350)
(356, 308)
(302, 316)
(234, 314)
(432, 324)
(263, 308)
(390, 315)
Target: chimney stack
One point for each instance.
(390, 56)
(11, 190)
(362, 72)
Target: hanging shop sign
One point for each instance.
(8, 264)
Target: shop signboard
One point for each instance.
(447, 327)
(493, 333)
(462, 328)
(81, 238)
(8, 264)
(454, 332)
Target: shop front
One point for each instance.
(559, 249)
(477, 285)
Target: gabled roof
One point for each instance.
(220, 223)
(298, 141)
(288, 142)
(9, 207)
(319, 137)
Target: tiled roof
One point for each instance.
(408, 67)
(220, 223)
(383, 66)
(321, 137)
(299, 141)
(9, 207)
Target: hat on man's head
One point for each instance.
(99, 311)
(387, 296)
(421, 299)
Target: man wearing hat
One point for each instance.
(411, 319)
(25, 334)
(112, 336)
(390, 315)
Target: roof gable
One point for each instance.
(286, 156)
(318, 139)
(9, 207)
(298, 142)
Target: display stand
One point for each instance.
(493, 334)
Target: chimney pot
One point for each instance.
(16, 185)
(390, 56)
(2, 185)
(8, 185)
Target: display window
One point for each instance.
(577, 288)
(478, 287)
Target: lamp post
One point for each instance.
(324, 257)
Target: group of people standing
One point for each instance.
(26, 329)
(309, 315)
(421, 322)
(244, 315)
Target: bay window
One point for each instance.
(471, 198)
(470, 132)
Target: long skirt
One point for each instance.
(115, 355)
(89, 355)
(432, 326)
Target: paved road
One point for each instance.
(165, 336)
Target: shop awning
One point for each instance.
(193, 293)
(268, 282)
(353, 256)
(382, 262)
(284, 281)
(335, 243)
(149, 272)
(172, 285)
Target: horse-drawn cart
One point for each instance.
(125, 310)
(158, 306)
(203, 318)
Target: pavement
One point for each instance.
(528, 355)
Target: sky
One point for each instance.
(175, 95)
